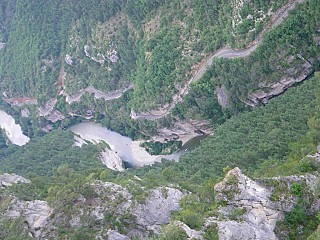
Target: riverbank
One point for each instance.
(130, 152)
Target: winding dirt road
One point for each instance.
(226, 52)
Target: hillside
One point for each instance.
(241, 75)
(141, 57)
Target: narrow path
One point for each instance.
(226, 52)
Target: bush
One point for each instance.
(172, 232)
(308, 164)
(296, 189)
(211, 233)
(296, 216)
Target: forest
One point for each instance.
(156, 45)
(268, 141)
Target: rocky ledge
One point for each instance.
(112, 160)
(36, 214)
(258, 204)
(248, 209)
(292, 76)
(184, 131)
(7, 180)
(106, 204)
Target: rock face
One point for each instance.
(275, 89)
(111, 203)
(7, 180)
(243, 193)
(112, 160)
(113, 235)
(222, 96)
(184, 130)
(157, 208)
(254, 203)
(148, 216)
(192, 234)
(36, 214)
(250, 211)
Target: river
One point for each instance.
(129, 151)
(13, 131)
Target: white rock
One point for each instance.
(192, 234)
(158, 206)
(112, 160)
(7, 180)
(113, 235)
(35, 212)
(259, 220)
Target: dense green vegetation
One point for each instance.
(156, 44)
(283, 49)
(251, 139)
(152, 44)
(259, 141)
(159, 148)
(53, 150)
(46, 158)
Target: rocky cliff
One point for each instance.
(248, 209)
(258, 204)
(109, 209)
(7, 180)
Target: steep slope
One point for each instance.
(244, 209)
(119, 59)
(108, 61)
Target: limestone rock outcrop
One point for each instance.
(184, 130)
(192, 234)
(149, 215)
(112, 160)
(258, 204)
(113, 235)
(110, 202)
(292, 77)
(157, 207)
(7, 180)
(36, 214)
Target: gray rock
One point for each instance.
(260, 213)
(242, 230)
(36, 214)
(113, 235)
(7, 180)
(157, 208)
(150, 215)
(192, 234)
(116, 200)
(25, 113)
(291, 77)
(112, 160)
(184, 130)
(222, 96)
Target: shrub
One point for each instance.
(296, 189)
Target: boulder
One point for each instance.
(157, 208)
(7, 180)
(36, 214)
(112, 160)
